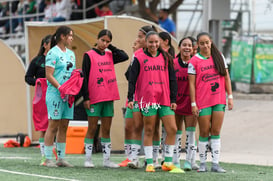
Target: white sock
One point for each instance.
(203, 151)
(126, 149)
(215, 153)
(148, 150)
(193, 157)
(169, 153)
(176, 151)
(88, 145)
(163, 138)
(190, 142)
(42, 148)
(135, 150)
(88, 151)
(129, 151)
(155, 153)
(106, 148)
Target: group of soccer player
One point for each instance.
(189, 87)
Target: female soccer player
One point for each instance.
(36, 70)
(183, 111)
(153, 81)
(166, 43)
(60, 62)
(129, 122)
(137, 116)
(209, 82)
(100, 90)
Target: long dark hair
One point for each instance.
(103, 33)
(180, 42)
(46, 40)
(166, 36)
(216, 55)
(167, 57)
(146, 29)
(56, 37)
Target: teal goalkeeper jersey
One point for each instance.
(63, 63)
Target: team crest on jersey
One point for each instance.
(56, 112)
(92, 109)
(72, 58)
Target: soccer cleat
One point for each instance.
(168, 166)
(157, 165)
(54, 150)
(177, 170)
(110, 164)
(177, 165)
(62, 163)
(216, 168)
(194, 166)
(202, 168)
(187, 166)
(88, 164)
(134, 164)
(150, 168)
(49, 163)
(43, 160)
(124, 163)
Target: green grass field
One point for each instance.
(22, 164)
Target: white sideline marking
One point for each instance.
(35, 175)
(16, 157)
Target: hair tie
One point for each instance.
(143, 31)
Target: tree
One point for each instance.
(152, 7)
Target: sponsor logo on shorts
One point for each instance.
(92, 110)
(56, 112)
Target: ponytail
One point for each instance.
(167, 57)
(53, 40)
(47, 40)
(56, 37)
(218, 60)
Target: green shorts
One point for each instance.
(58, 109)
(161, 111)
(128, 113)
(208, 110)
(101, 109)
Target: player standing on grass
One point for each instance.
(209, 81)
(34, 76)
(153, 81)
(60, 62)
(129, 122)
(183, 111)
(166, 45)
(100, 90)
(137, 116)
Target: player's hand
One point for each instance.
(86, 104)
(195, 111)
(230, 104)
(173, 106)
(131, 105)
